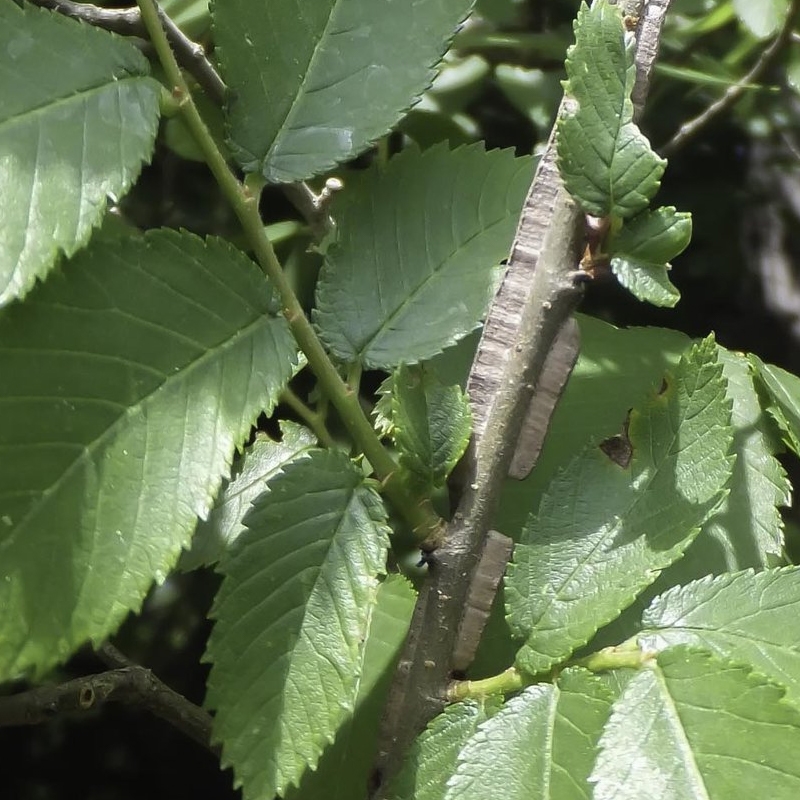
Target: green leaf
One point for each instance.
(344, 770)
(315, 83)
(101, 476)
(604, 159)
(74, 132)
(261, 461)
(696, 726)
(633, 512)
(432, 424)
(432, 758)
(763, 18)
(291, 616)
(642, 249)
(617, 369)
(649, 283)
(410, 271)
(783, 390)
(541, 744)
(747, 617)
(747, 530)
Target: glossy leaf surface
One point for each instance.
(746, 617)
(541, 744)
(696, 726)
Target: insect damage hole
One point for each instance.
(619, 447)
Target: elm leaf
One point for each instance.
(343, 772)
(541, 744)
(605, 161)
(744, 616)
(315, 83)
(642, 249)
(433, 755)
(636, 502)
(292, 616)
(128, 382)
(697, 726)
(262, 459)
(410, 271)
(431, 422)
(74, 133)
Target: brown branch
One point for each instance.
(533, 305)
(733, 93)
(133, 685)
(128, 22)
(113, 658)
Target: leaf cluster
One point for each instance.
(647, 602)
(607, 164)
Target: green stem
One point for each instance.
(354, 376)
(244, 201)
(625, 655)
(383, 150)
(504, 683)
(314, 420)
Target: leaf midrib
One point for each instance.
(109, 434)
(435, 274)
(74, 98)
(283, 129)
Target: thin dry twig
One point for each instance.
(113, 658)
(128, 22)
(732, 94)
(133, 685)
